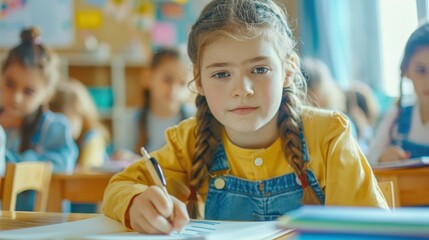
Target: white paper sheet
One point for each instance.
(104, 228)
(97, 225)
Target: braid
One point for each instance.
(206, 141)
(289, 123)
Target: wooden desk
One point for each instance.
(411, 184)
(79, 187)
(15, 220)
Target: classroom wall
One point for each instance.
(118, 87)
(118, 32)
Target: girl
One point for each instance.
(323, 91)
(403, 133)
(73, 100)
(164, 102)
(2, 150)
(164, 99)
(29, 76)
(363, 110)
(253, 152)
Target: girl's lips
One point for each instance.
(243, 110)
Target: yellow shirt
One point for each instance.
(93, 151)
(335, 158)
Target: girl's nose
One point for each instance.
(18, 98)
(243, 87)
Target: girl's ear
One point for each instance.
(406, 74)
(288, 78)
(199, 86)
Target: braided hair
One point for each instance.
(247, 19)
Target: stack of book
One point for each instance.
(325, 222)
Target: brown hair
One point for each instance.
(247, 19)
(72, 98)
(418, 39)
(31, 53)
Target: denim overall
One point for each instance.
(404, 126)
(232, 198)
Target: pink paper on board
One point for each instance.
(164, 34)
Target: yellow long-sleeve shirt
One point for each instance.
(335, 158)
(92, 151)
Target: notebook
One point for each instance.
(403, 223)
(406, 163)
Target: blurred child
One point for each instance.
(164, 98)
(322, 91)
(253, 152)
(2, 151)
(73, 100)
(363, 110)
(404, 132)
(28, 78)
(164, 101)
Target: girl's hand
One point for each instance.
(150, 210)
(394, 153)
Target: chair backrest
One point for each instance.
(24, 176)
(388, 191)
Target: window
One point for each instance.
(398, 19)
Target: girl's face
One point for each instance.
(168, 86)
(418, 72)
(243, 83)
(23, 90)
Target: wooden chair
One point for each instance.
(24, 176)
(387, 188)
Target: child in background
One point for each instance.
(2, 151)
(363, 110)
(73, 100)
(404, 132)
(322, 91)
(164, 102)
(28, 78)
(164, 98)
(253, 152)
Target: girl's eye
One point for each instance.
(10, 84)
(28, 91)
(221, 75)
(421, 70)
(260, 70)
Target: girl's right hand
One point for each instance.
(150, 212)
(394, 153)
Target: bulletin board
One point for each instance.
(174, 20)
(53, 17)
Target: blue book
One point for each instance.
(405, 163)
(363, 222)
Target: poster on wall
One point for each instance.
(53, 17)
(174, 20)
